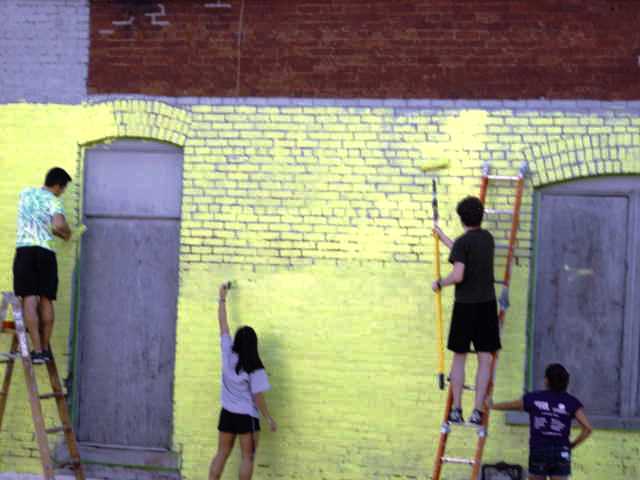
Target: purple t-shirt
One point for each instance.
(238, 389)
(550, 415)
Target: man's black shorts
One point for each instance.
(237, 423)
(475, 323)
(35, 272)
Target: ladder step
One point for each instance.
(45, 396)
(460, 461)
(493, 211)
(7, 357)
(56, 430)
(506, 178)
(471, 388)
(464, 425)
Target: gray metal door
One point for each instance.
(128, 294)
(584, 294)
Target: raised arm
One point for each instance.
(60, 227)
(222, 309)
(261, 403)
(585, 428)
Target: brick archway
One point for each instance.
(583, 156)
(152, 120)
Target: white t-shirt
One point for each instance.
(238, 389)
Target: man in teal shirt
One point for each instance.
(35, 268)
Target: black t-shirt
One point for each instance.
(550, 415)
(475, 249)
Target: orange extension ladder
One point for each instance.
(19, 348)
(476, 462)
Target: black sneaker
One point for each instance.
(37, 358)
(455, 416)
(46, 355)
(476, 417)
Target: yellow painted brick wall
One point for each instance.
(322, 217)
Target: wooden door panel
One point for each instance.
(580, 294)
(128, 295)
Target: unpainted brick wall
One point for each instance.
(44, 50)
(506, 49)
(332, 264)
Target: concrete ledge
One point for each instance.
(114, 461)
(30, 476)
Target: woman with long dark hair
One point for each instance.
(244, 382)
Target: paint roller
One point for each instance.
(431, 166)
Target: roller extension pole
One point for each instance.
(438, 300)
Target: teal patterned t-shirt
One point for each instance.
(35, 214)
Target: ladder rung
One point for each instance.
(493, 211)
(465, 387)
(461, 461)
(506, 178)
(45, 396)
(55, 430)
(465, 425)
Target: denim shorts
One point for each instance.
(550, 461)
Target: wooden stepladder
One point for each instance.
(20, 348)
(476, 462)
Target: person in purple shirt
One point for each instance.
(550, 414)
(244, 382)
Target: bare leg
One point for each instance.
(45, 309)
(557, 478)
(482, 378)
(248, 447)
(457, 378)
(539, 477)
(225, 445)
(30, 310)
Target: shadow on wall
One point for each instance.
(272, 351)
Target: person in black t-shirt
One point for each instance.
(475, 311)
(550, 414)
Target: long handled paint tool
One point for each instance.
(435, 165)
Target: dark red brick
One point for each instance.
(371, 48)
